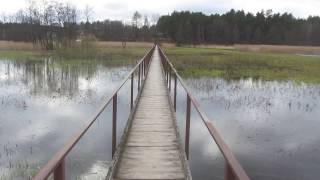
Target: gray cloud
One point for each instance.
(123, 9)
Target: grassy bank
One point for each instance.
(109, 52)
(254, 61)
(235, 64)
(24, 54)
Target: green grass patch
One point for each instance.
(235, 64)
(24, 54)
(113, 56)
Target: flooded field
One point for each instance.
(272, 127)
(43, 103)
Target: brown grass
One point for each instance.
(309, 50)
(11, 45)
(114, 44)
(214, 46)
(305, 50)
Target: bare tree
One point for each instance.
(88, 13)
(135, 23)
(70, 24)
(20, 16)
(154, 18)
(146, 21)
(3, 17)
(52, 24)
(136, 19)
(124, 35)
(145, 28)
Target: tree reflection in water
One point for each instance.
(42, 103)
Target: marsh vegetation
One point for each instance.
(58, 64)
(240, 64)
(252, 115)
(251, 96)
(88, 50)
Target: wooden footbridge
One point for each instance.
(150, 147)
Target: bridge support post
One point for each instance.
(139, 77)
(131, 100)
(187, 138)
(143, 70)
(175, 93)
(114, 124)
(145, 66)
(169, 80)
(59, 172)
(228, 173)
(167, 70)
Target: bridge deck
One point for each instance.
(152, 150)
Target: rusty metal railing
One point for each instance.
(56, 165)
(233, 169)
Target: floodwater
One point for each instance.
(272, 127)
(43, 103)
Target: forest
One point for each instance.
(52, 25)
(240, 27)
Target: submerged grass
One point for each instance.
(227, 63)
(24, 54)
(78, 54)
(235, 64)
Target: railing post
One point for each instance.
(228, 173)
(166, 69)
(59, 172)
(139, 77)
(131, 100)
(143, 69)
(187, 138)
(114, 124)
(167, 75)
(175, 93)
(145, 66)
(169, 79)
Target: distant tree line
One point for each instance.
(51, 24)
(239, 27)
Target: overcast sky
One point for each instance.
(123, 9)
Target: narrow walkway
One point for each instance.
(151, 150)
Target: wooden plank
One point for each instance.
(151, 150)
(136, 163)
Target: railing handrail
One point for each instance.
(55, 161)
(233, 163)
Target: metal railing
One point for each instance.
(233, 169)
(56, 165)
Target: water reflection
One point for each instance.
(42, 103)
(272, 127)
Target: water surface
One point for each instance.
(43, 103)
(272, 127)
